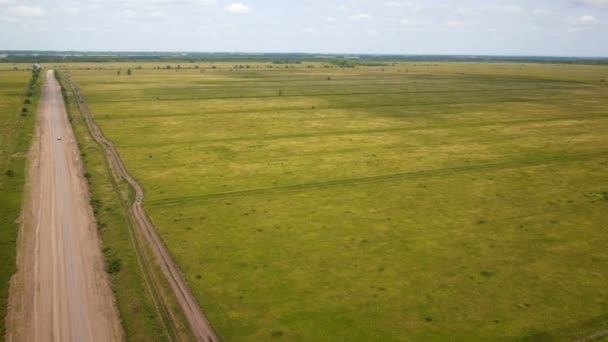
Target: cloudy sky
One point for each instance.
(496, 27)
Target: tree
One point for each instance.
(118, 73)
(129, 72)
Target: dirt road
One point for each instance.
(61, 291)
(201, 328)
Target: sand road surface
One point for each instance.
(61, 291)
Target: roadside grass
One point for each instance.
(419, 201)
(143, 315)
(16, 131)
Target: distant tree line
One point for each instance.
(274, 58)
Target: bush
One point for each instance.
(96, 204)
(114, 265)
(24, 110)
(27, 101)
(10, 173)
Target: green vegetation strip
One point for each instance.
(144, 301)
(18, 104)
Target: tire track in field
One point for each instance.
(199, 324)
(381, 178)
(331, 107)
(335, 82)
(374, 131)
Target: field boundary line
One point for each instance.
(380, 178)
(330, 107)
(201, 328)
(333, 82)
(344, 94)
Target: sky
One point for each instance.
(463, 27)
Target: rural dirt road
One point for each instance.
(201, 328)
(61, 291)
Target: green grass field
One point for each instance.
(412, 201)
(16, 131)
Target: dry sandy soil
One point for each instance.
(61, 291)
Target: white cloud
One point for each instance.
(586, 20)
(582, 23)
(69, 9)
(8, 19)
(540, 11)
(238, 8)
(146, 15)
(360, 17)
(454, 24)
(595, 3)
(308, 30)
(329, 19)
(407, 25)
(511, 9)
(27, 11)
(574, 29)
(392, 4)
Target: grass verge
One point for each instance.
(147, 310)
(19, 125)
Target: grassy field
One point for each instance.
(16, 131)
(411, 201)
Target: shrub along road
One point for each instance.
(61, 291)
